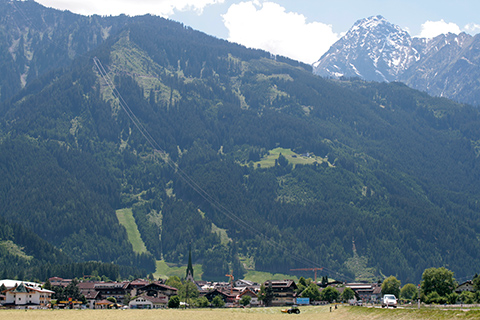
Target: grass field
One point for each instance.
(318, 313)
(126, 219)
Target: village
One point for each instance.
(88, 293)
(146, 294)
(156, 294)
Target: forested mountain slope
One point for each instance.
(387, 167)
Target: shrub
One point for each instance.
(435, 298)
(245, 301)
(202, 302)
(174, 302)
(218, 302)
(467, 297)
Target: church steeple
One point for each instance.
(189, 275)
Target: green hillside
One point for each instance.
(380, 165)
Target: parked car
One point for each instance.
(389, 300)
(359, 303)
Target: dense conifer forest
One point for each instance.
(387, 168)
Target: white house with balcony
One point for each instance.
(19, 295)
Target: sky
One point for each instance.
(299, 29)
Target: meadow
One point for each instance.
(317, 312)
(293, 158)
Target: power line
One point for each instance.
(190, 181)
(174, 166)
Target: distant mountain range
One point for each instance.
(377, 50)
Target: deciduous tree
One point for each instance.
(174, 302)
(348, 294)
(311, 292)
(266, 294)
(245, 301)
(408, 291)
(188, 291)
(329, 294)
(440, 280)
(391, 286)
(218, 302)
(174, 281)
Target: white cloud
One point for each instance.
(472, 28)
(269, 27)
(162, 8)
(431, 29)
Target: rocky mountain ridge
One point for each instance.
(377, 50)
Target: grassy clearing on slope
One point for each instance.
(292, 157)
(222, 233)
(126, 219)
(307, 313)
(261, 277)
(165, 270)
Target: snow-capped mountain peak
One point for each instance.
(373, 49)
(369, 23)
(377, 50)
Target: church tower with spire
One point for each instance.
(189, 275)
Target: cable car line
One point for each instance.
(158, 151)
(190, 181)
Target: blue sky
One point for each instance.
(300, 29)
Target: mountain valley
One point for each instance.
(370, 171)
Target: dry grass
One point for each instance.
(317, 313)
